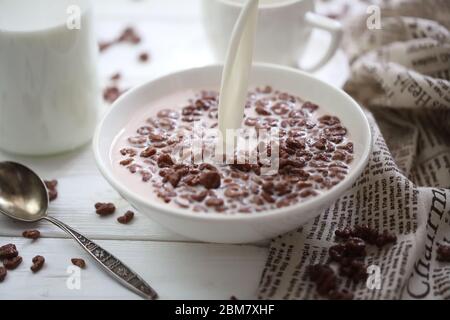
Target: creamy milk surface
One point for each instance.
(313, 153)
(138, 120)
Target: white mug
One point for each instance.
(284, 28)
(49, 94)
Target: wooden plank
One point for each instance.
(175, 270)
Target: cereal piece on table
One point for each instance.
(104, 209)
(116, 76)
(12, 263)
(51, 184)
(31, 234)
(8, 251)
(111, 93)
(38, 263)
(80, 263)
(126, 218)
(143, 57)
(3, 273)
(51, 189)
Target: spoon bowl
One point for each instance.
(23, 195)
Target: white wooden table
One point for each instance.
(176, 267)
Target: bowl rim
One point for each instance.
(303, 207)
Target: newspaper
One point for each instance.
(400, 74)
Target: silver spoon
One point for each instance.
(23, 197)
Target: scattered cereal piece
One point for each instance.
(38, 263)
(12, 263)
(51, 189)
(104, 209)
(31, 234)
(8, 251)
(80, 263)
(143, 57)
(126, 218)
(3, 273)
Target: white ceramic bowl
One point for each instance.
(234, 228)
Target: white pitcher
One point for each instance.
(49, 94)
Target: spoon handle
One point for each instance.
(114, 267)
